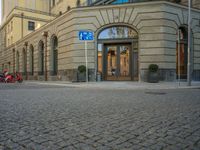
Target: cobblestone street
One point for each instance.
(49, 117)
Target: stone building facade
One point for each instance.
(128, 38)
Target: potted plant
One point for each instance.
(81, 73)
(153, 76)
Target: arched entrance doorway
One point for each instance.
(31, 59)
(17, 62)
(13, 60)
(24, 62)
(54, 56)
(118, 53)
(41, 58)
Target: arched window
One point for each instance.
(117, 32)
(31, 59)
(120, 1)
(2, 67)
(13, 60)
(182, 61)
(41, 58)
(17, 62)
(24, 62)
(118, 53)
(54, 55)
(9, 67)
(181, 53)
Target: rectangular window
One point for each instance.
(2, 67)
(9, 67)
(31, 25)
(53, 3)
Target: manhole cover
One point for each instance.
(155, 93)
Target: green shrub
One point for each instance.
(153, 68)
(81, 68)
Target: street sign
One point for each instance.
(86, 35)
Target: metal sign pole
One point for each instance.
(86, 36)
(179, 71)
(86, 61)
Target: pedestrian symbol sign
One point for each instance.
(86, 35)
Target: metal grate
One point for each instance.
(155, 93)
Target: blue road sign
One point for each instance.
(86, 35)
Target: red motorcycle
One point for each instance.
(11, 78)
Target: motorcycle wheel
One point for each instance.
(2, 81)
(20, 81)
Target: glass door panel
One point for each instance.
(118, 62)
(111, 62)
(124, 61)
(183, 61)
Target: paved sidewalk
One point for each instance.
(38, 116)
(120, 84)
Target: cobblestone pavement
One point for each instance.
(42, 117)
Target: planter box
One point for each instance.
(81, 77)
(153, 77)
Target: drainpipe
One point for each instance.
(179, 72)
(189, 44)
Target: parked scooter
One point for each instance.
(11, 78)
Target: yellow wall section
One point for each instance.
(8, 5)
(39, 19)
